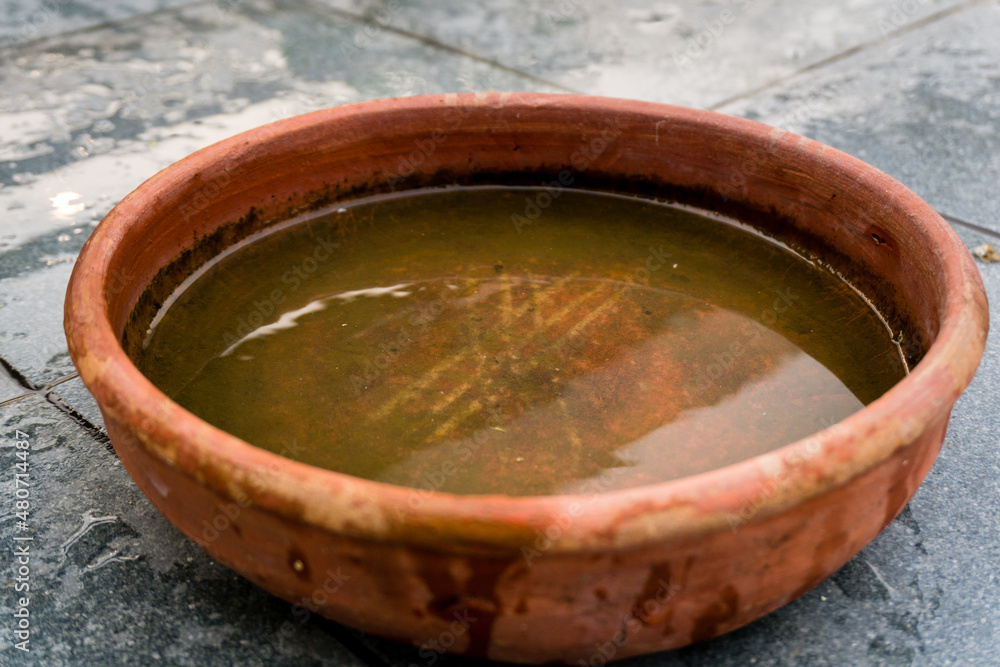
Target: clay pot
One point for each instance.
(534, 579)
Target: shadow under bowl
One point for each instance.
(534, 579)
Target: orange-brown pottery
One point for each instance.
(553, 578)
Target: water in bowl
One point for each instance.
(518, 341)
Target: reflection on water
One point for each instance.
(614, 343)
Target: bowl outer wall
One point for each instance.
(874, 459)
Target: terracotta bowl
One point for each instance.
(534, 579)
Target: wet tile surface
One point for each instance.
(86, 116)
(73, 395)
(9, 386)
(112, 582)
(23, 22)
(690, 53)
(925, 108)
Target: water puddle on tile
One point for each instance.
(89, 522)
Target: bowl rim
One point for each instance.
(714, 500)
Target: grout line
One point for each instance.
(56, 383)
(95, 431)
(15, 399)
(17, 376)
(970, 225)
(829, 60)
(30, 43)
(56, 401)
(28, 384)
(430, 41)
(47, 394)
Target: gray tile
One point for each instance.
(90, 93)
(9, 386)
(75, 396)
(25, 21)
(83, 124)
(925, 108)
(690, 53)
(111, 581)
(31, 338)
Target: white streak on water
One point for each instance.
(392, 290)
(286, 321)
(289, 319)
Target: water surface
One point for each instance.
(436, 340)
